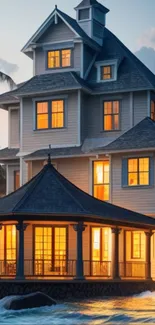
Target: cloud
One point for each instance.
(8, 67)
(147, 39)
(147, 56)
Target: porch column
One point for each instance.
(21, 227)
(79, 228)
(115, 252)
(148, 235)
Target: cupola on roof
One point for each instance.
(89, 3)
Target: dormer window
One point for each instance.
(106, 70)
(84, 14)
(59, 59)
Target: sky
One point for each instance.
(130, 20)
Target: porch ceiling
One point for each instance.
(49, 195)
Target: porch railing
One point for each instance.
(67, 268)
(97, 268)
(132, 269)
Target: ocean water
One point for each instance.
(138, 309)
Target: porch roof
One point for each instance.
(49, 194)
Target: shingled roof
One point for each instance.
(9, 153)
(132, 74)
(56, 152)
(51, 194)
(52, 82)
(141, 136)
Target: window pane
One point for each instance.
(107, 108)
(84, 14)
(106, 72)
(96, 244)
(144, 164)
(132, 179)
(11, 242)
(136, 244)
(116, 122)
(116, 107)
(132, 165)
(101, 192)
(108, 122)
(66, 58)
(42, 107)
(42, 121)
(57, 114)
(98, 172)
(54, 59)
(144, 178)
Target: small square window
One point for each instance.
(50, 114)
(138, 171)
(107, 72)
(84, 14)
(59, 59)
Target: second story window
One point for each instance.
(111, 115)
(138, 171)
(50, 114)
(107, 72)
(153, 110)
(59, 59)
(101, 180)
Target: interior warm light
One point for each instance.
(99, 172)
(96, 238)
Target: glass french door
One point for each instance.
(50, 250)
(101, 251)
(10, 245)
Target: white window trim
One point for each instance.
(90, 182)
(104, 64)
(84, 20)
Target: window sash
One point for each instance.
(101, 186)
(50, 116)
(107, 72)
(139, 173)
(136, 246)
(60, 56)
(112, 117)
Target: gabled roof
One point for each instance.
(79, 32)
(47, 83)
(132, 74)
(141, 136)
(88, 3)
(51, 194)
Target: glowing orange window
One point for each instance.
(111, 115)
(101, 180)
(42, 115)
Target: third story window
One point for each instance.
(50, 114)
(106, 72)
(84, 14)
(111, 115)
(101, 180)
(59, 59)
(138, 171)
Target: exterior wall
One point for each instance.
(37, 139)
(74, 169)
(140, 106)
(10, 177)
(57, 32)
(13, 128)
(136, 199)
(41, 60)
(94, 115)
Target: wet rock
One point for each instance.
(32, 300)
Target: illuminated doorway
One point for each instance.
(100, 251)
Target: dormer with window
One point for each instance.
(106, 71)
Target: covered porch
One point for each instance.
(50, 229)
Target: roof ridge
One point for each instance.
(36, 179)
(127, 51)
(58, 175)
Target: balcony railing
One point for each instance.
(132, 269)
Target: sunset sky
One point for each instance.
(132, 21)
